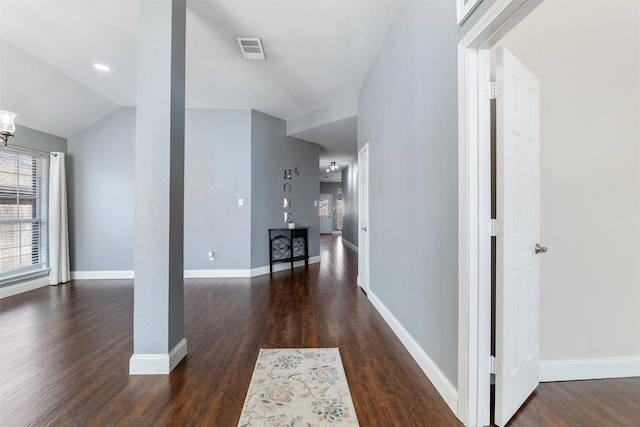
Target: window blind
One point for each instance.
(23, 213)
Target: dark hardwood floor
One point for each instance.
(64, 355)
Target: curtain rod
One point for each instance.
(19, 148)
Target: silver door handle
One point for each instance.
(540, 249)
(364, 229)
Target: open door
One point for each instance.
(363, 218)
(518, 215)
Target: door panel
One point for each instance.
(325, 209)
(363, 217)
(518, 207)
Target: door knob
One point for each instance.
(540, 249)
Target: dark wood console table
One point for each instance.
(288, 245)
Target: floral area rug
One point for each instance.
(304, 387)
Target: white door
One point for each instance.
(363, 217)
(518, 208)
(325, 209)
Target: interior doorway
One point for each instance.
(325, 211)
(363, 218)
(475, 214)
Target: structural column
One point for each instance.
(158, 319)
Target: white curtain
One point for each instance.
(59, 271)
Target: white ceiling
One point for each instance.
(338, 143)
(318, 52)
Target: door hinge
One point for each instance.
(494, 90)
(493, 366)
(495, 227)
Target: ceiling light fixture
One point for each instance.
(7, 125)
(101, 67)
(332, 167)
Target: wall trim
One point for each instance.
(157, 364)
(350, 245)
(589, 369)
(428, 366)
(193, 274)
(102, 274)
(337, 232)
(215, 274)
(21, 287)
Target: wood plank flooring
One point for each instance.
(64, 354)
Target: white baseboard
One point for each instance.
(442, 384)
(157, 364)
(216, 274)
(194, 274)
(349, 245)
(338, 232)
(589, 369)
(26, 286)
(97, 275)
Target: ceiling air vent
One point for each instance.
(251, 48)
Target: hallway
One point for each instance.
(65, 352)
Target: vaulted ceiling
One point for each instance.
(318, 52)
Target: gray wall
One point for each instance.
(407, 110)
(350, 203)
(101, 193)
(217, 174)
(36, 140)
(220, 168)
(272, 152)
(332, 188)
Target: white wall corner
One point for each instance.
(439, 380)
(340, 110)
(157, 364)
(589, 369)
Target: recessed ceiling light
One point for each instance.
(101, 67)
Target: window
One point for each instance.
(23, 213)
(323, 207)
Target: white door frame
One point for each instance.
(474, 195)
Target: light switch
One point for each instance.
(315, 203)
(240, 201)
